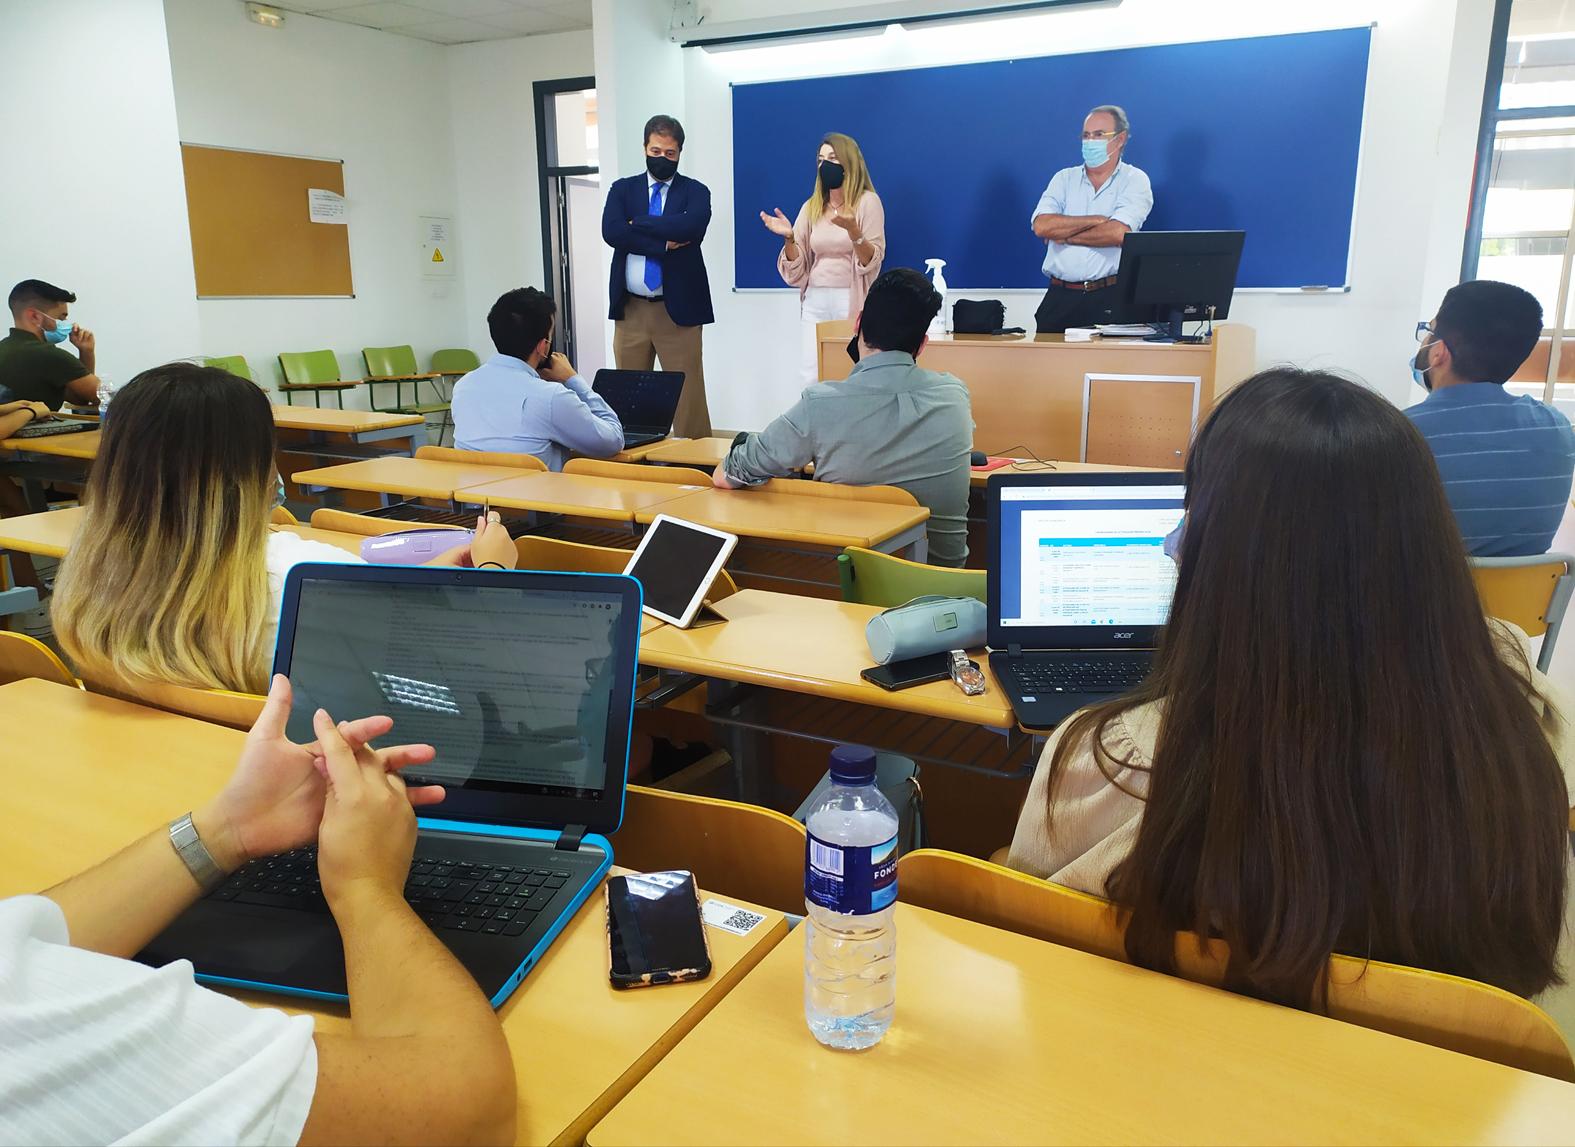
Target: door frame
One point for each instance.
(556, 269)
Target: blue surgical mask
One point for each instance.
(1172, 542)
(1419, 373)
(61, 332)
(278, 490)
(1096, 152)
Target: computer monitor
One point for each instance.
(1170, 277)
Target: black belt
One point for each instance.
(1090, 285)
(647, 298)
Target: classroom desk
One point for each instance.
(1003, 1039)
(805, 520)
(980, 480)
(112, 771)
(617, 500)
(399, 478)
(322, 427)
(83, 446)
(705, 453)
(49, 535)
(638, 453)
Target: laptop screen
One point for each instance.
(1084, 553)
(642, 399)
(513, 682)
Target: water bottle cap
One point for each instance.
(853, 765)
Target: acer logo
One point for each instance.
(1125, 636)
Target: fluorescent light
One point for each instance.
(264, 15)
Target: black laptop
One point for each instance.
(524, 683)
(644, 401)
(1080, 585)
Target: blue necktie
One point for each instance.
(653, 268)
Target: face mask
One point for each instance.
(61, 332)
(278, 490)
(853, 347)
(831, 175)
(1418, 371)
(1172, 542)
(661, 168)
(1096, 152)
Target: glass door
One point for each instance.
(567, 145)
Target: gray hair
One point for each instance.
(1119, 114)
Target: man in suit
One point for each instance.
(661, 298)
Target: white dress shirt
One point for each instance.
(634, 265)
(1126, 198)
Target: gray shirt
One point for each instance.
(889, 423)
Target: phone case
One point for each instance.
(650, 979)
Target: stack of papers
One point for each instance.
(1079, 334)
(1125, 330)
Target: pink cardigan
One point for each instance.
(871, 216)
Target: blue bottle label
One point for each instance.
(852, 880)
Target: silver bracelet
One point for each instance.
(198, 860)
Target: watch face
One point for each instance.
(967, 675)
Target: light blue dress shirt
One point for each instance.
(505, 405)
(1126, 198)
(634, 265)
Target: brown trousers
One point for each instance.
(647, 332)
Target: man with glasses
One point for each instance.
(1083, 216)
(1506, 459)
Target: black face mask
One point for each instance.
(853, 347)
(661, 168)
(831, 175)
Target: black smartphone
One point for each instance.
(654, 931)
(914, 671)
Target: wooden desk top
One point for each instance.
(84, 445)
(800, 518)
(838, 331)
(706, 453)
(340, 421)
(407, 477)
(999, 1038)
(91, 774)
(809, 645)
(579, 495)
(639, 453)
(49, 535)
(979, 480)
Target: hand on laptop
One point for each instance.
(557, 368)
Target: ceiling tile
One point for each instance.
(534, 21)
(382, 15)
(463, 9)
(453, 32)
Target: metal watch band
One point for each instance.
(198, 860)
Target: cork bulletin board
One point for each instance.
(252, 235)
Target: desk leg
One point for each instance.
(915, 540)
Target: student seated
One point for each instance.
(33, 367)
(1506, 460)
(889, 423)
(1334, 751)
(14, 416)
(175, 575)
(97, 1049)
(527, 399)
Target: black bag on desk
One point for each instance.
(978, 317)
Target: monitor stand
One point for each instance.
(1171, 331)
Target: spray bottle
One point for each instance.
(942, 322)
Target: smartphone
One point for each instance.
(914, 671)
(654, 931)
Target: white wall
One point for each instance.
(1424, 89)
(317, 88)
(494, 138)
(98, 205)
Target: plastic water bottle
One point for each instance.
(850, 889)
(106, 391)
(942, 322)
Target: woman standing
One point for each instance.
(833, 251)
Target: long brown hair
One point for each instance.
(1345, 761)
(856, 176)
(167, 578)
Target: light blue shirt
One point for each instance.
(1506, 462)
(1126, 198)
(505, 405)
(634, 265)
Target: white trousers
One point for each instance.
(819, 305)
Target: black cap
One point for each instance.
(853, 765)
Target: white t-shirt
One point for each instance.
(285, 550)
(94, 1049)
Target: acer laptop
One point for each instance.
(645, 401)
(1080, 585)
(524, 684)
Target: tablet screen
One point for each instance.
(674, 562)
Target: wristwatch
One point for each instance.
(966, 675)
(198, 860)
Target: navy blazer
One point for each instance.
(630, 229)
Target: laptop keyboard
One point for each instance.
(50, 427)
(458, 895)
(1081, 675)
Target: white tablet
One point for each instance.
(675, 565)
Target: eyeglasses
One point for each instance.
(1423, 329)
(1100, 134)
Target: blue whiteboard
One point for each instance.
(1256, 134)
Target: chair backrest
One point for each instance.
(454, 360)
(384, 361)
(347, 523)
(739, 850)
(22, 656)
(638, 472)
(300, 367)
(280, 516)
(235, 364)
(1532, 591)
(216, 706)
(1446, 1011)
(891, 495)
(872, 578)
(539, 553)
(480, 457)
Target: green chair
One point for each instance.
(234, 363)
(871, 578)
(315, 371)
(397, 364)
(454, 361)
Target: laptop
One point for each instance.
(1079, 585)
(644, 401)
(524, 684)
(52, 425)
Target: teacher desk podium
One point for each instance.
(1115, 401)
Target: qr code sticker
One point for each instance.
(730, 917)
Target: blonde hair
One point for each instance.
(855, 181)
(167, 578)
